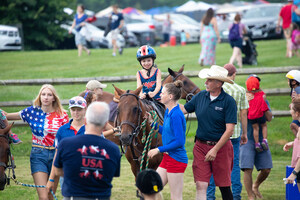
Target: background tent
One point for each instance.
(159, 10)
(130, 11)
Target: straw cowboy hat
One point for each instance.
(215, 72)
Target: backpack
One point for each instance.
(295, 17)
(234, 33)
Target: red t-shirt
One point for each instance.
(286, 14)
(257, 106)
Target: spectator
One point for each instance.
(285, 16)
(295, 109)
(78, 23)
(236, 31)
(97, 87)
(88, 162)
(216, 113)
(209, 36)
(239, 136)
(294, 82)
(117, 22)
(293, 77)
(183, 38)
(174, 163)
(250, 157)
(166, 29)
(295, 44)
(256, 113)
(45, 117)
(89, 96)
(149, 184)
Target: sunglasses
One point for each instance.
(72, 102)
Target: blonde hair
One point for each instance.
(56, 103)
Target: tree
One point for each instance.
(40, 20)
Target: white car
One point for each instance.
(10, 38)
(95, 36)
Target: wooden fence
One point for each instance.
(65, 81)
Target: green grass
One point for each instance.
(63, 64)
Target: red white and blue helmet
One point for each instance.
(145, 51)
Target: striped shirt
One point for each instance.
(239, 95)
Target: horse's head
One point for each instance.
(189, 88)
(129, 114)
(4, 154)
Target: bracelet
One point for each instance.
(51, 180)
(114, 130)
(295, 173)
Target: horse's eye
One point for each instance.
(135, 109)
(185, 82)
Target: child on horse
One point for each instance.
(149, 77)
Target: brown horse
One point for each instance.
(189, 88)
(5, 155)
(130, 115)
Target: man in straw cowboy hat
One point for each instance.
(216, 115)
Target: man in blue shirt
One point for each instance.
(216, 115)
(117, 22)
(88, 162)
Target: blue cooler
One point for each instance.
(291, 192)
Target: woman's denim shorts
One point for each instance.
(41, 160)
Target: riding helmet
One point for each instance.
(145, 51)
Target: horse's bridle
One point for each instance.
(10, 165)
(136, 128)
(189, 94)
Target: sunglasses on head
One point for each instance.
(72, 102)
(85, 95)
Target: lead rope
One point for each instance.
(149, 138)
(35, 186)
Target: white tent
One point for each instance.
(106, 12)
(194, 6)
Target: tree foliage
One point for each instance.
(40, 20)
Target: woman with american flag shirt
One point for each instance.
(45, 117)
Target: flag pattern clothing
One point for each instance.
(44, 126)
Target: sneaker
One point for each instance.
(265, 144)
(120, 50)
(14, 138)
(114, 54)
(258, 147)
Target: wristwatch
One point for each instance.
(295, 173)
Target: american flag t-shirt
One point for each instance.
(44, 126)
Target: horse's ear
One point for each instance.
(6, 129)
(138, 90)
(181, 69)
(171, 72)
(118, 91)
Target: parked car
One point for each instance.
(10, 38)
(143, 27)
(95, 36)
(182, 22)
(261, 20)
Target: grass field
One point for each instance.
(63, 64)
